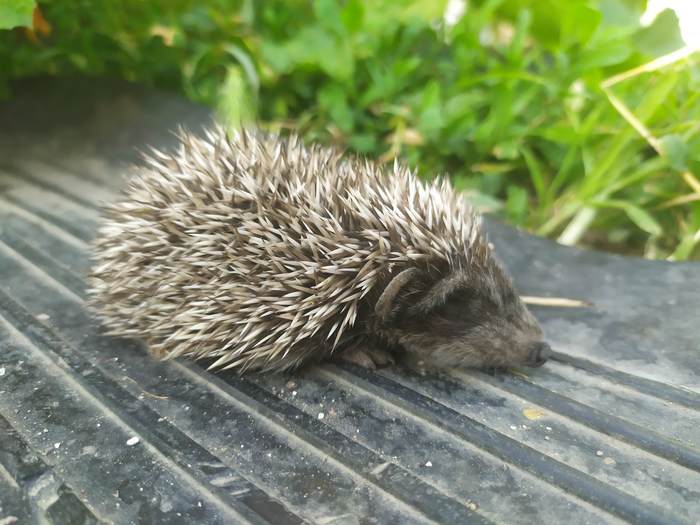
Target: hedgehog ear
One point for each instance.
(446, 288)
(384, 309)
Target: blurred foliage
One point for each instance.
(15, 13)
(507, 99)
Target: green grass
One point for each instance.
(507, 101)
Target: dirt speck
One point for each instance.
(532, 413)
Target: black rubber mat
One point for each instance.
(94, 431)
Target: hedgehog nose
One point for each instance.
(539, 354)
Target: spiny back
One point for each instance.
(256, 250)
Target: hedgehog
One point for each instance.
(255, 252)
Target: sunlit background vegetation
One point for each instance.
(508, 97)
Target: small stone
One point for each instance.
(471, 505)
(57, 445)
(43, 317)
(291, 385)
(2, 371)
(546, 438)
(513, 427)
(321, 415)
(132, 441)
(608, 461)
(548, 429)
(599, 453)
(294, 393)
(428, 464)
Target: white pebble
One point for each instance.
(321, 415)
(428, 464)
(132, 441)
(2, 371)
(43, 317)
(57, 445)
(513, 427)
(599, 453)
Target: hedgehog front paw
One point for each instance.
(368, 357)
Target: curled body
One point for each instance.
(256, 252)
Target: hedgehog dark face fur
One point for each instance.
(463, 320)
(259, 253)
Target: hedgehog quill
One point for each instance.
(259, 253)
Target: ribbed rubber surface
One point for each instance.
(92, 430)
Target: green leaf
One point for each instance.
(675, 150)
(516, 204)
(537, 174)
(622, 13)
(337, 61)
(661, 37)
(236, 106)
(329, 15)
(506, 150)
(312, 46)
(685, 248)
(352, 15)
(244, 59)
(637, 215)
(579, 23)
(427, 10)
(14, 13)
(363, 142)
(604, 54)
(277, 56)
(333, 99)
(430, 119)
(643, 219)
(481, 202)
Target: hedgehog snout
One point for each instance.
(539, 353)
